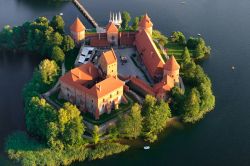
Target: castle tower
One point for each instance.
(112, 34)
(146, 24)
(77, 30)
(171, 68)
(108, 63)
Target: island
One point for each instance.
(98, 90)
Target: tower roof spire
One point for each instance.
(77, 26)
(146, 22)
(171, 64)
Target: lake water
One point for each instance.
(222, 138)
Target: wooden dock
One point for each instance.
(86, 14)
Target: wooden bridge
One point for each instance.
(85, 13)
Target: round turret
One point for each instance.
(146, 24)
(171, 68)
(77, 30)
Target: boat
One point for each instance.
(146, 147)
(233, 67)
(61, 14)
(198, 34)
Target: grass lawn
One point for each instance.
(176, 50)
(106, 117)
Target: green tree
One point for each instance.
(71, 124)
(189, 71)
(57, 23)
(177, 96)
(186, 56)
(113, 133)
(6, 36)
(36, 40)
(57, 54)
(135, 23)
(199, 52)
(68, 43)
(125, 19)
(207, 98)
(96, 134)
(41, 21)
(131, 124)
(192, 107)
(55, 39)
(178, 37)
(38, 116)
(49, 71)
(155, 119)
(199, 45)
(192, 43)
(162, 39)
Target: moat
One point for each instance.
(221, 129)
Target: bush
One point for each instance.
(106, 149)
(29, 152)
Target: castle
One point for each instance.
(98, 89)
(89, 86)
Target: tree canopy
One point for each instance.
(192, 107)
(130, 125)
(125, 19)
(57, 54)
(178, 37)
(57, 23)
(199, 45)
(162, 39)
(49, 71)
(96, 135)
(68, 43)
(156, 115)
(135, 23)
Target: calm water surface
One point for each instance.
(222, 138)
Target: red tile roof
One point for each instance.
(109, 57)
(151, 57)
(143, 85)
(145, 22)
(172, 64)
(77, 26)
(111, 28)
(106, 86)
(96, 42)
(80, 76)
(166, 85)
